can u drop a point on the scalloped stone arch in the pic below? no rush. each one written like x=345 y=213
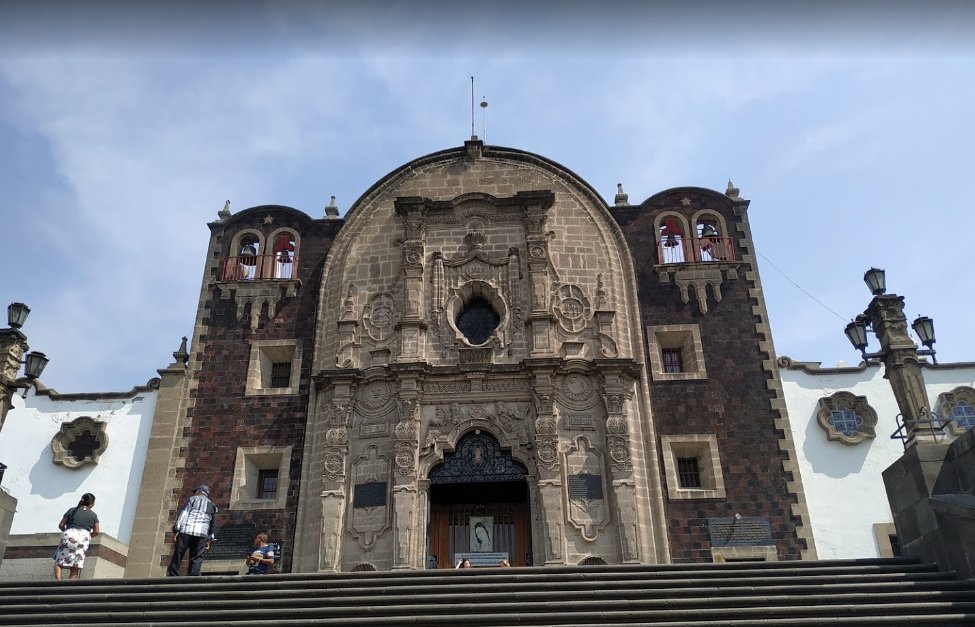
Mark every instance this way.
x=466 y=294
x=847 y=402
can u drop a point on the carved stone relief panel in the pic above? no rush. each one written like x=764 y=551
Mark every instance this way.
x=370 y=497
x=380 y=317
x=585 y=488
x=571 y=308
x=577 y=391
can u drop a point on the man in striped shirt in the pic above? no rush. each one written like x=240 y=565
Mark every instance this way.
x=193 y=531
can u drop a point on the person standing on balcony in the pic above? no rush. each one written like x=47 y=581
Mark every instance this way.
x=193 y=531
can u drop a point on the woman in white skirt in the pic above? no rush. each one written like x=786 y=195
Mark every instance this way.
x=78 y=526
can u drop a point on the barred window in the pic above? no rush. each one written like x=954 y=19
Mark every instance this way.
x=673 y=360
x=267 y=483
x=688 y=472
x=281 y=374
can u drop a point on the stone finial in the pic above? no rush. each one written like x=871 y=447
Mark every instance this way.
x=331 y=210
x=182 y=355
x=732 y=191
x=224 y=213
x=622 y=199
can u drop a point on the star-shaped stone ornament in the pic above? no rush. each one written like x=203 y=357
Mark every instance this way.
x=268 y=219
x=685 y=202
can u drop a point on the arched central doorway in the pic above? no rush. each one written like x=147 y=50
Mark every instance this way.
x=479 y=506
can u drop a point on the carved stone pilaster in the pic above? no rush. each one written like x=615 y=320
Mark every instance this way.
x=338 y=418
x=404 y=505
x=407 y=433
x=550 y=494
x=348 y=326
x=625 y=493
x=333 y=519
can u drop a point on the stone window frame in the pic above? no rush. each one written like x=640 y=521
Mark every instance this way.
x=264 y=353
x=705 y=448
x=948 y=400
x=68 y=431
x=686 y=337
x=858 y=405
x=882 y=533
x=251 y=459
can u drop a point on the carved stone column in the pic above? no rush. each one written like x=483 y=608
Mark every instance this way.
x=406 y=551
x=540 y=320
x=549 y=471
x=902 y=364
x=13 y=345
x=412 y=325
x=617 y=390
x=348 y=327
x=337 y=412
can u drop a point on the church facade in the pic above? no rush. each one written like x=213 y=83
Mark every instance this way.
x=483 y=359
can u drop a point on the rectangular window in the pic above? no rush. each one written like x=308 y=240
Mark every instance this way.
x=688 y=472
x=267 y=483
x=281 y=375
x=673 y=361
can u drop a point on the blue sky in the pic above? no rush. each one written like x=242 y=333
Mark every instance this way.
x=848 y=125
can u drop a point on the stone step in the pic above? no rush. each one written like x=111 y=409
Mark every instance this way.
x=474 y=614
x=849 y=592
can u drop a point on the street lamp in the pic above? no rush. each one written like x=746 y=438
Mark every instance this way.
x=898 y=352
x=13 y=345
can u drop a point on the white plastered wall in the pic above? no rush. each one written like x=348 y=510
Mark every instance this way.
x=844 y=484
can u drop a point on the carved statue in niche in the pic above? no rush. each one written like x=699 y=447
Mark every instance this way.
x=511 y=420
x=435 y=428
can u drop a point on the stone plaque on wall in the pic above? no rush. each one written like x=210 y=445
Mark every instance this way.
x=233 y=542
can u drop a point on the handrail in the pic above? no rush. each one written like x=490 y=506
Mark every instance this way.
x=935 y=426
x=278 y=267
x=679 y=249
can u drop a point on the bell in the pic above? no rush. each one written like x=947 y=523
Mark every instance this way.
x=284 y=258
x=248 y=251
x=671 y=241
x=709 y=231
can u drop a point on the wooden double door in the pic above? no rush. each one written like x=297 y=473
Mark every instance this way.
x=483 y=522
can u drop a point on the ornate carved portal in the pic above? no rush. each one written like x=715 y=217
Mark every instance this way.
x=478 y=458
x=479 y=506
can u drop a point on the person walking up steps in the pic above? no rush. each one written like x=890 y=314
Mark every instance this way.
x=193 y=531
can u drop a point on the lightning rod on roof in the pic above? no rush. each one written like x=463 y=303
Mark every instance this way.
x=484 y=105
x=473 y=135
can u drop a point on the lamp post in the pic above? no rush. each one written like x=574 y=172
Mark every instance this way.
x=13 y=346
x=899 y=354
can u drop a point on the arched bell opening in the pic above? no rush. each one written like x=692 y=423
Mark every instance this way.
x=479 y=506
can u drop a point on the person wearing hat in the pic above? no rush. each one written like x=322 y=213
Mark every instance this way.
x=193 y=531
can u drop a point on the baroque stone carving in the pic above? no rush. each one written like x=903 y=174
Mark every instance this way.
x=571 y=308
x=380 y=316
x=79 y=442
x=587 y=513
x=370 y=518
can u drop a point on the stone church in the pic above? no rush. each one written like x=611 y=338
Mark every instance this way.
x=483 y=359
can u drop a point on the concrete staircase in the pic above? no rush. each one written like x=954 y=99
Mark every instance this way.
x=854 y=592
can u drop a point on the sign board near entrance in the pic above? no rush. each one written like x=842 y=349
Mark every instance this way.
x=481 y=559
